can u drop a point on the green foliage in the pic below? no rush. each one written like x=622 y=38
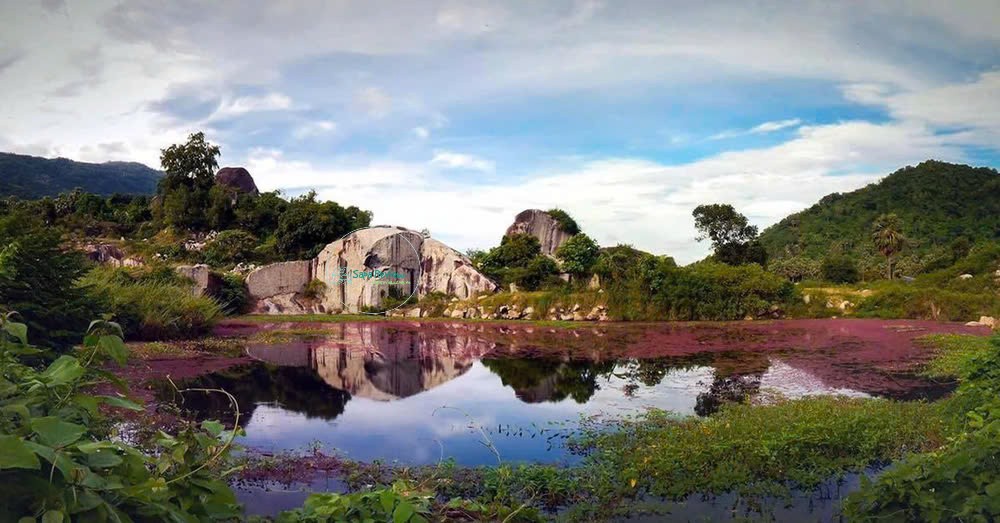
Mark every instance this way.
x=578 y=255
x=733 y=238
x=887 y=235
x=936 y=203
x=32 y=177
x=399 y=504
x=232 y=294
x=956 y=355
x=315 y=289
x=756 y=450
x=307 y=225
x=152 y=304
x=958 y=482
x=566 y=222
x=59 y=463
x=796 y=268
x=38 y=279
x=230 y=247
x=840 y=269
x=184 y=191
x=518 y=259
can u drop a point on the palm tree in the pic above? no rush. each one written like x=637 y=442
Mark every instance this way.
x=888 y=237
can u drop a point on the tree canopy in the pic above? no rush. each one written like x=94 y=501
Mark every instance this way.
x=733 y=238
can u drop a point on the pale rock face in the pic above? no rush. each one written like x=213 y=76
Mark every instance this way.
x=391 y=249
x=279 y=278
x=205 y=282
x=541 y=225
x=446 y=270
x=418 y=266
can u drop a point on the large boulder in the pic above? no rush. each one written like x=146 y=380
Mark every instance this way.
x=541 y=225
x=363 y=270
x=278 y=278
x=204 y=281
x=238 y=179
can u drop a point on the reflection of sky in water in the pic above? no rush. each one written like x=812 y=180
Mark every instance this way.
x=416 y=429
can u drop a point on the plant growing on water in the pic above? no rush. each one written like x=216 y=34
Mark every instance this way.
x=60 y=462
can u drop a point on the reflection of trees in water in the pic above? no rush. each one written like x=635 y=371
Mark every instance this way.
x=297 y=389
x=538 y=380
x=737 y=376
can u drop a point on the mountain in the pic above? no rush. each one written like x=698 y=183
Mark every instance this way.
x=936 y=202
x=33 y=177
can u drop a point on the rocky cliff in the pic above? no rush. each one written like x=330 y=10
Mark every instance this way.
x=541 y=225
x=362 y=271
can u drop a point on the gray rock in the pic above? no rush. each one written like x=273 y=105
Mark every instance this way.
x=204 y=281
x=541 y=225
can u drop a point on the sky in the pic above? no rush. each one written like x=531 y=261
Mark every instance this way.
x=455 y=115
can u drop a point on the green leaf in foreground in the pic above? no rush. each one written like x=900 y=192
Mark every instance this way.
x=54 y=432
x=14 y=454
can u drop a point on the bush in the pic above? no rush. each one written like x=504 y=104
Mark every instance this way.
x=230 y=247
x=840 y=269
x=232 y=294
x=59 y=462
x=38 y=280
x=149 y=305
x=578 y=255
x=566 y=222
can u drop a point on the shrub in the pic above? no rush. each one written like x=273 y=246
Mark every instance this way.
x=840 y=269
x=230 y=247
x=150 y=307
x=38 y=279
x=566 y=222
x=578 y=255
x=232 y=294
x=59 y=462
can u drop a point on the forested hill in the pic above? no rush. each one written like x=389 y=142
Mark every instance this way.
x=937 y=202
x=33 y=177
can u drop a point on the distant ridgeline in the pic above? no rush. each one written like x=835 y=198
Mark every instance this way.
x=937 y=202
x=33 y=177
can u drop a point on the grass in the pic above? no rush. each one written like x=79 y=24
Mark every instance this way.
x=955 y=354
x=151 y=308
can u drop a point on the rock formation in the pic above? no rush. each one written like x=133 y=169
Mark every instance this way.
x=364 y=269
x=108 y=254
x=541 y=225
x=204 y=281
x=238 y=179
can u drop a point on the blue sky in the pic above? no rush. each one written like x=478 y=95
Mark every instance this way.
x=455 y=115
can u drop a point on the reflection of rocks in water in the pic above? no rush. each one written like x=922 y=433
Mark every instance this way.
x=378 y=362
x=293 y=388
x=539 y=380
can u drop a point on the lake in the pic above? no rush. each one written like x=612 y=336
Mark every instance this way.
x=420 y=392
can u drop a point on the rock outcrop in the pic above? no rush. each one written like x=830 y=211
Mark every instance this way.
x=364 y=269
x=204 y=281
x=108 y=254
x=541 y=225
x=238 y=179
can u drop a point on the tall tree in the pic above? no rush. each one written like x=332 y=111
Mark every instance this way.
x=733 y=238
x=185 y=189
x=887 y=235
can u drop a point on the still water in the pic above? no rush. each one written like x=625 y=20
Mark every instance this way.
x=418 y=393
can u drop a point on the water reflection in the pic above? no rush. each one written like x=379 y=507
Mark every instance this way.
x=375 y=391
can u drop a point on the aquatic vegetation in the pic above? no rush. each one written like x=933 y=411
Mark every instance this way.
x=956 y=355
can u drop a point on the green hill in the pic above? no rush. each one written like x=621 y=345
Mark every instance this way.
x=936 y=201
x=34 y=177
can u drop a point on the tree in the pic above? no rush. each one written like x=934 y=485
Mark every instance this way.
x=733 y=238
x=189 y=176
x=230 y=246
x=307 y=225
x=960 y=248
x=840 y=269
x=887 y=235
x=578 y=255
x=38 y=280
x=515 y=250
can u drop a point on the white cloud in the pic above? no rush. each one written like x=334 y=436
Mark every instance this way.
x=421 y=132
x=374 y=101
x=249 y=104
x=619 y=200
x=766 y=127
x=453 y=160
x=311 y=129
